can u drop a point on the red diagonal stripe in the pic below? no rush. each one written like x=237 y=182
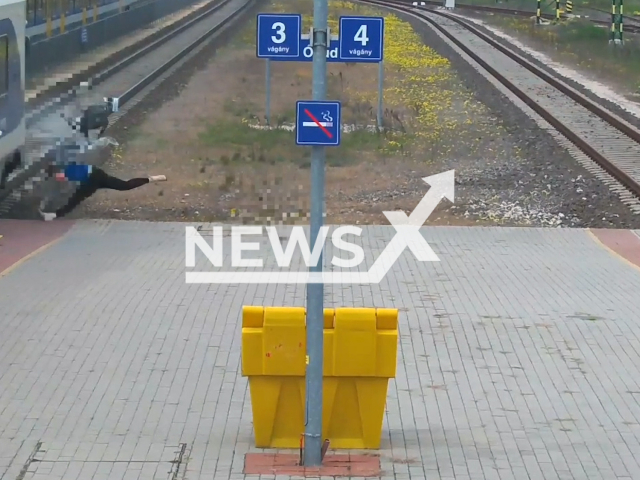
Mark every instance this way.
x=315 y=120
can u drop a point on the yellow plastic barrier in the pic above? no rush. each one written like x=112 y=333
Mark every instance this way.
x=360 y=352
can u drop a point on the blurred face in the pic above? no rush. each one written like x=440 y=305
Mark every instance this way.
x=54 y=171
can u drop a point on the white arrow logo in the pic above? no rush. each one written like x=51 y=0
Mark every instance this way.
x=408 y=228
x=407 y=235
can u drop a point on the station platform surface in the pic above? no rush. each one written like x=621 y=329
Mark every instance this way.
x=75 y=20
x=519 y=356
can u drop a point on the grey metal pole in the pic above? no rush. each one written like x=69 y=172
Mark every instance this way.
x=315 y=291
x=268 y=87
x=380 y=91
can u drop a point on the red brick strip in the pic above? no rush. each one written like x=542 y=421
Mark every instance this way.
x=21 y=238
x=623 y=242
x=332 y=466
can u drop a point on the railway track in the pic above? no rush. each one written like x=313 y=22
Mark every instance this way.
x=631 y=25
x=601 y=141
x=40 y=100
x=131 y=79
x=628 y=19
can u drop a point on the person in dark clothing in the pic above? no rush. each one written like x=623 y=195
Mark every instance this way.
x=91 y=180
x=63 y=166
x=9 y=167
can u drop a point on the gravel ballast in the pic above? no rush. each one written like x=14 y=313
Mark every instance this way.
x=609 y=105
x=549 y=188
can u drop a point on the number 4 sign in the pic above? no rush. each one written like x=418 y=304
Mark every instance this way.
x=361 y=39
x=361 y=35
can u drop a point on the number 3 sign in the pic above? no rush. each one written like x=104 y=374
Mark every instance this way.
x=278 y=36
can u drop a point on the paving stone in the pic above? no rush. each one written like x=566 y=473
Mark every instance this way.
x=518 y=357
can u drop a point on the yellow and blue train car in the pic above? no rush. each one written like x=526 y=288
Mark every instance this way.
x=12 y=74
x=39 y=10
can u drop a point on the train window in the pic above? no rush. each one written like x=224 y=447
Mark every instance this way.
x=4 y=64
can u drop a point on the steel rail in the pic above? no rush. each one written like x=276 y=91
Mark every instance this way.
x=627 y=17
x=632 y=185
x=165 y=33
x=631 y=28
x=111 y=65
x=138 y=87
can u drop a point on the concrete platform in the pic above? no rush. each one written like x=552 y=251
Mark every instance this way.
x=21 y=239
x=519 y=358
x=73 y=21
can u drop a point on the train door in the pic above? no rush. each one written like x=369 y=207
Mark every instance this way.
x=11 y=94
